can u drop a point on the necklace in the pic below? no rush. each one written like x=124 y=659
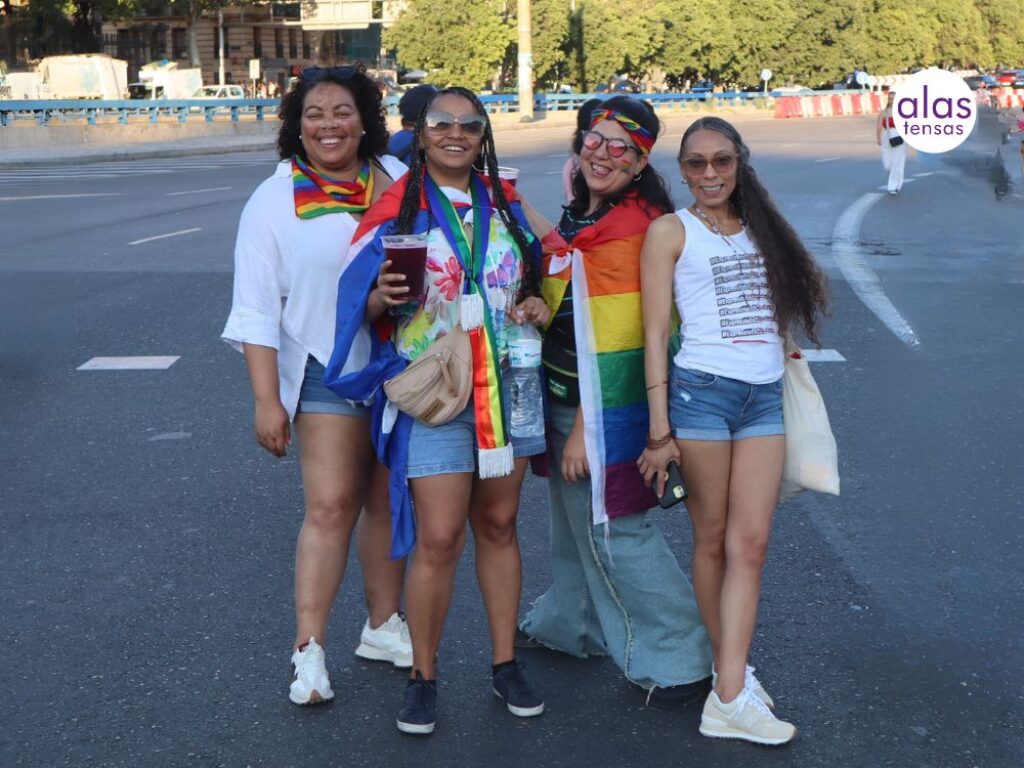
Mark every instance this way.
x=713 y=226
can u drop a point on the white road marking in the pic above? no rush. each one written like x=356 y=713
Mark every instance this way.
x=169 y=436
x=138 y=363
x=827 y=159
x=198 y=191
x=552 y=173
x=865 y=283
x=823 y=356
x=60 y=197
x=922 y=175
x=161 y=237
x=884 y=188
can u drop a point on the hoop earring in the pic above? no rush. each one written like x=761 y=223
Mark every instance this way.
x=637 y=177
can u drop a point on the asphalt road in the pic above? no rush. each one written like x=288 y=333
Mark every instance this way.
x=146 y=543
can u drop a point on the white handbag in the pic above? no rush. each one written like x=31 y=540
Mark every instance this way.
x=812 y=459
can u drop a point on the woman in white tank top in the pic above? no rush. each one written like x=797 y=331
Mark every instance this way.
x=740 y=279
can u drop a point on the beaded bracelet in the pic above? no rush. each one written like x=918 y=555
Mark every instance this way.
x=659 y=442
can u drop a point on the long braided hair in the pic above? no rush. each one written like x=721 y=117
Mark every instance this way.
x=410 y=204
x=798 y=286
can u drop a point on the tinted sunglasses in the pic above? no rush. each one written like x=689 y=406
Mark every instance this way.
x=697 y=165
x=592 y=140
x=443 y=122
x=319 y=73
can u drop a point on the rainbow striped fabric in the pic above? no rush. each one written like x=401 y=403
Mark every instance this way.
x=316 y=195
x=603 y=267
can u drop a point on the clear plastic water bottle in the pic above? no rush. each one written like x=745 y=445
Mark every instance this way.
x=524 y=348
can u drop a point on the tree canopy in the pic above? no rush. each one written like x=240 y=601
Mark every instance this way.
x=587 y=42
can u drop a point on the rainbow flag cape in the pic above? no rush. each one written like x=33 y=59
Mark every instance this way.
x=604 y=264
x=389 y=428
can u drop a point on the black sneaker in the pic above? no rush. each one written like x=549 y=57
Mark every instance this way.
x=418 y=716
x=511 y=686
x=679 y=695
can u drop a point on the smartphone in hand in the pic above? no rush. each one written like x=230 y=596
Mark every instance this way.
x=675 y=491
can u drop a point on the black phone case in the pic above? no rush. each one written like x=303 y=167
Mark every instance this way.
x=675 y=491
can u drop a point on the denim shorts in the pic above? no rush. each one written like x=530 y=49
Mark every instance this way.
x=451 y=447
x=703 y=406
x=314 y=397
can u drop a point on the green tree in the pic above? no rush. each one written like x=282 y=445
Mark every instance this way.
x=761 y=34
x=902 y=38
x=616 y=37
x=828 y=40
x=1004 y=29
x=962 y=39
x=458 y=43
x=697 y=39
x=550 y=22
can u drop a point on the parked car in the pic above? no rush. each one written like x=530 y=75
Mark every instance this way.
x=703 y=86
x=619 y=86
x=1008 y=77
x=974 y=82
x=220 y=92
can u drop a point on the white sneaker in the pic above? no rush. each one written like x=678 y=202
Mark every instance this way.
x=388 y=642
x=751 y=683
x=311 y=684
x=746 y=717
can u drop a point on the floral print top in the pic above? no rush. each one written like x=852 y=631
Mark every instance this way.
x=420 y=325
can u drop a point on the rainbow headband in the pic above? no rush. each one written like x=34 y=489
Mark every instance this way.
x=640 y=135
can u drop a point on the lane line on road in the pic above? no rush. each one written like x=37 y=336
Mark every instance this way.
x=823 y=355
x=827 y=159
x=552 y=173
x=198 y=191
x=862 y=279
x=161 y=237
x=922 y=175
x=60 y=197
x=132 y=363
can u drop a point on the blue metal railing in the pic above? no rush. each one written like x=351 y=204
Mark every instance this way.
x=138 y=110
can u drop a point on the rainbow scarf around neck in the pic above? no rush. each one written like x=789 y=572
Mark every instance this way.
x=494 y=456
x=603 y=267
x=640 y=135
x=316 y=195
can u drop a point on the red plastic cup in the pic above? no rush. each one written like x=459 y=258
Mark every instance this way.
x=511 y=175
x=408 y=256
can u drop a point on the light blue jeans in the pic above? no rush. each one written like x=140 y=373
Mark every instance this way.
x=623 y=595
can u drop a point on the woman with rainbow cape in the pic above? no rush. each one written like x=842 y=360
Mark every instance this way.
x=482 y=272
x=617 y=591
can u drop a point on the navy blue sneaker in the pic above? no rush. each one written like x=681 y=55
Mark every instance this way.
x=511 y=686
x=418 y=716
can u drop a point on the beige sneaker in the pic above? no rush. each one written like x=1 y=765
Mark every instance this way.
x=750 y=682
x=746 y=717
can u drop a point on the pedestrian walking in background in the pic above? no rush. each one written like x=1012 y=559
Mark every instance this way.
x=894 y=149
x=572 y=165
x=740 y=279
x=617 y=588
x=292 y=239
x=409 y=107
x=482 y=272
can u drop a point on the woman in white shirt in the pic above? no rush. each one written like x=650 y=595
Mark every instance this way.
x=740 y=279
x=292 y=239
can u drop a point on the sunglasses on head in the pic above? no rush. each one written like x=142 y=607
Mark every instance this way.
x=697 y=165
x=443 y=122
x=319 y=73
x=592 y=140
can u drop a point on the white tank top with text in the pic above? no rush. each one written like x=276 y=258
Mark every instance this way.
x=728 y=322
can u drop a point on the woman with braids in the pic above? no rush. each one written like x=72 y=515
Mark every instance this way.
x=617 y=588
x=292 y=240
x=483 y=274
x=741 y=280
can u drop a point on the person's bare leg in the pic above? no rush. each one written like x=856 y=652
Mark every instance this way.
x=705 y=465
x=382 y=576
x=442 y=506
x=499 y=569
x=753 y=495
x=334 y=454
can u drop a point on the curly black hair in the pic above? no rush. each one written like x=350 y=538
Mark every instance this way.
x=650 y=187
x=410 y=205
x=798 y=286
x=368 y=101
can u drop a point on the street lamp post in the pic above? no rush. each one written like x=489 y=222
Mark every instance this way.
x=220 y=46
x=525 y=70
